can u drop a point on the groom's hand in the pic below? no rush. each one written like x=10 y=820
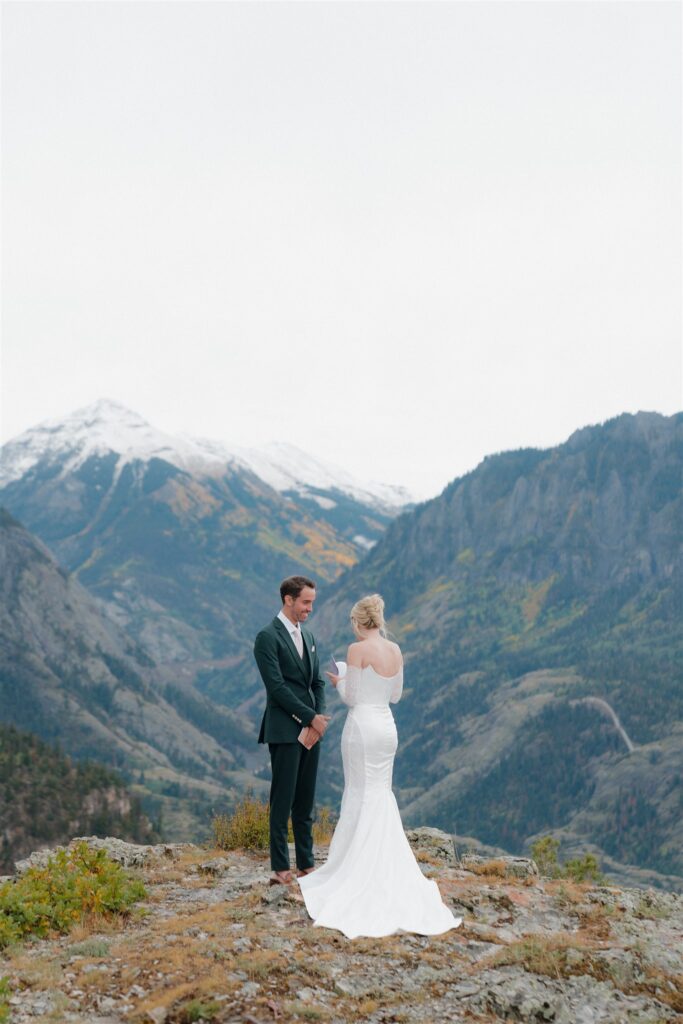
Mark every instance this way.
x=319 y=723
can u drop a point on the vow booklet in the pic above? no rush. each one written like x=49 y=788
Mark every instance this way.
x=337 y=668
x=308 y=737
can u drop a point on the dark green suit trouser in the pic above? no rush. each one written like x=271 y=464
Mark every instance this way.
x=292 y=791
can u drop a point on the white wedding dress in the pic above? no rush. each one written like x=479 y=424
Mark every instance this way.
x=371 y=883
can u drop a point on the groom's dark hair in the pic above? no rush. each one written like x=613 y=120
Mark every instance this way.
x=293 y=586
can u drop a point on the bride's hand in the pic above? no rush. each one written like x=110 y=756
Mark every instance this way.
x=333 y=679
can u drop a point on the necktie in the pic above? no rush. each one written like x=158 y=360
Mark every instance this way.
x=298 y=641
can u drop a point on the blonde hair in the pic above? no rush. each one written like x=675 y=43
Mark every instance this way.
x=368 y=613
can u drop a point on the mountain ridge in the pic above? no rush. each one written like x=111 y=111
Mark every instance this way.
x=107 y=425
x=535 y=584
x=538 y=579
x=182 y=552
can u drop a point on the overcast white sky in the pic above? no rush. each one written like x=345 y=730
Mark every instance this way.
x=400 y=236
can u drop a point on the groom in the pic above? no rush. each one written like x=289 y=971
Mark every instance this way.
x=287 y=659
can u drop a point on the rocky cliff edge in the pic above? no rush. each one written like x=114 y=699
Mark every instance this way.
x=212 y=941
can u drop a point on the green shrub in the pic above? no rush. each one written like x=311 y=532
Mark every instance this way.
x=90 y=947
x=74 y=883
x=197 y=1010
x=248 y=826
x=4 y=1000
x=544 y=852
x=580 y=869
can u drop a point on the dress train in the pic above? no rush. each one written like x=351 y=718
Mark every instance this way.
x=371 y=883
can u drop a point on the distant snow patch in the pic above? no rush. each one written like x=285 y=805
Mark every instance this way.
x=325 y=503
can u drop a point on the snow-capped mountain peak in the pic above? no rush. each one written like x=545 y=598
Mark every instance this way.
x=103 y=427
x=287 y=468
x=108 y=426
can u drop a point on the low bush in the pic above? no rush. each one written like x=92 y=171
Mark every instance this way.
x=196 y=1010
x=74 y=883
x=579 y=869
x=90 y=947
x=4 y=1000
x=248 y=826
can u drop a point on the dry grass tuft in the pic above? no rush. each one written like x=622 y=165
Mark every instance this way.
x=323 y=826
x=248 y=828
x=208 y=919
x=561 y=956
x=306 y=1011
x=668 y=988
x=567 y=892
x=199 y=991
x=258 y=964
x=595 y=922
x=34 y=972
x=94 y=924
x=481 y=933
x=492 y=869
x=648 y=907
x=548 y=955
x=426 y=858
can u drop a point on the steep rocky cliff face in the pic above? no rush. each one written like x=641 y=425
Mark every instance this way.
x=600 y=509
x=535 y=582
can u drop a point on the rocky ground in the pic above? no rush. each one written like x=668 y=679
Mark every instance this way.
x=214 y=942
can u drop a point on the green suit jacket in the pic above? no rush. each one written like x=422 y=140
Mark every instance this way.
x=294 y=686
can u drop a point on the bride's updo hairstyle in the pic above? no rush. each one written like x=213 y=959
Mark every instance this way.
x=368 y=613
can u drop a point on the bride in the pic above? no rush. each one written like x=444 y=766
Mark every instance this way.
x=371 y=883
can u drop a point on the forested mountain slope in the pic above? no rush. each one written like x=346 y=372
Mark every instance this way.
x=46 y=799
x=70 y=675
x=541 y=578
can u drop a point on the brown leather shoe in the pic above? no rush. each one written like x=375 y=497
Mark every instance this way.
x=281 y=878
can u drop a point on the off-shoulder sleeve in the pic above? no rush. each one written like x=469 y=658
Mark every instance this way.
x=348 y=686
x=397 y=687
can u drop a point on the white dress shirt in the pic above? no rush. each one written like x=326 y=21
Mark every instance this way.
x=294 y=632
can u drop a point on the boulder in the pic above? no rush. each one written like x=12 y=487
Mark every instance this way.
x=433 y=842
